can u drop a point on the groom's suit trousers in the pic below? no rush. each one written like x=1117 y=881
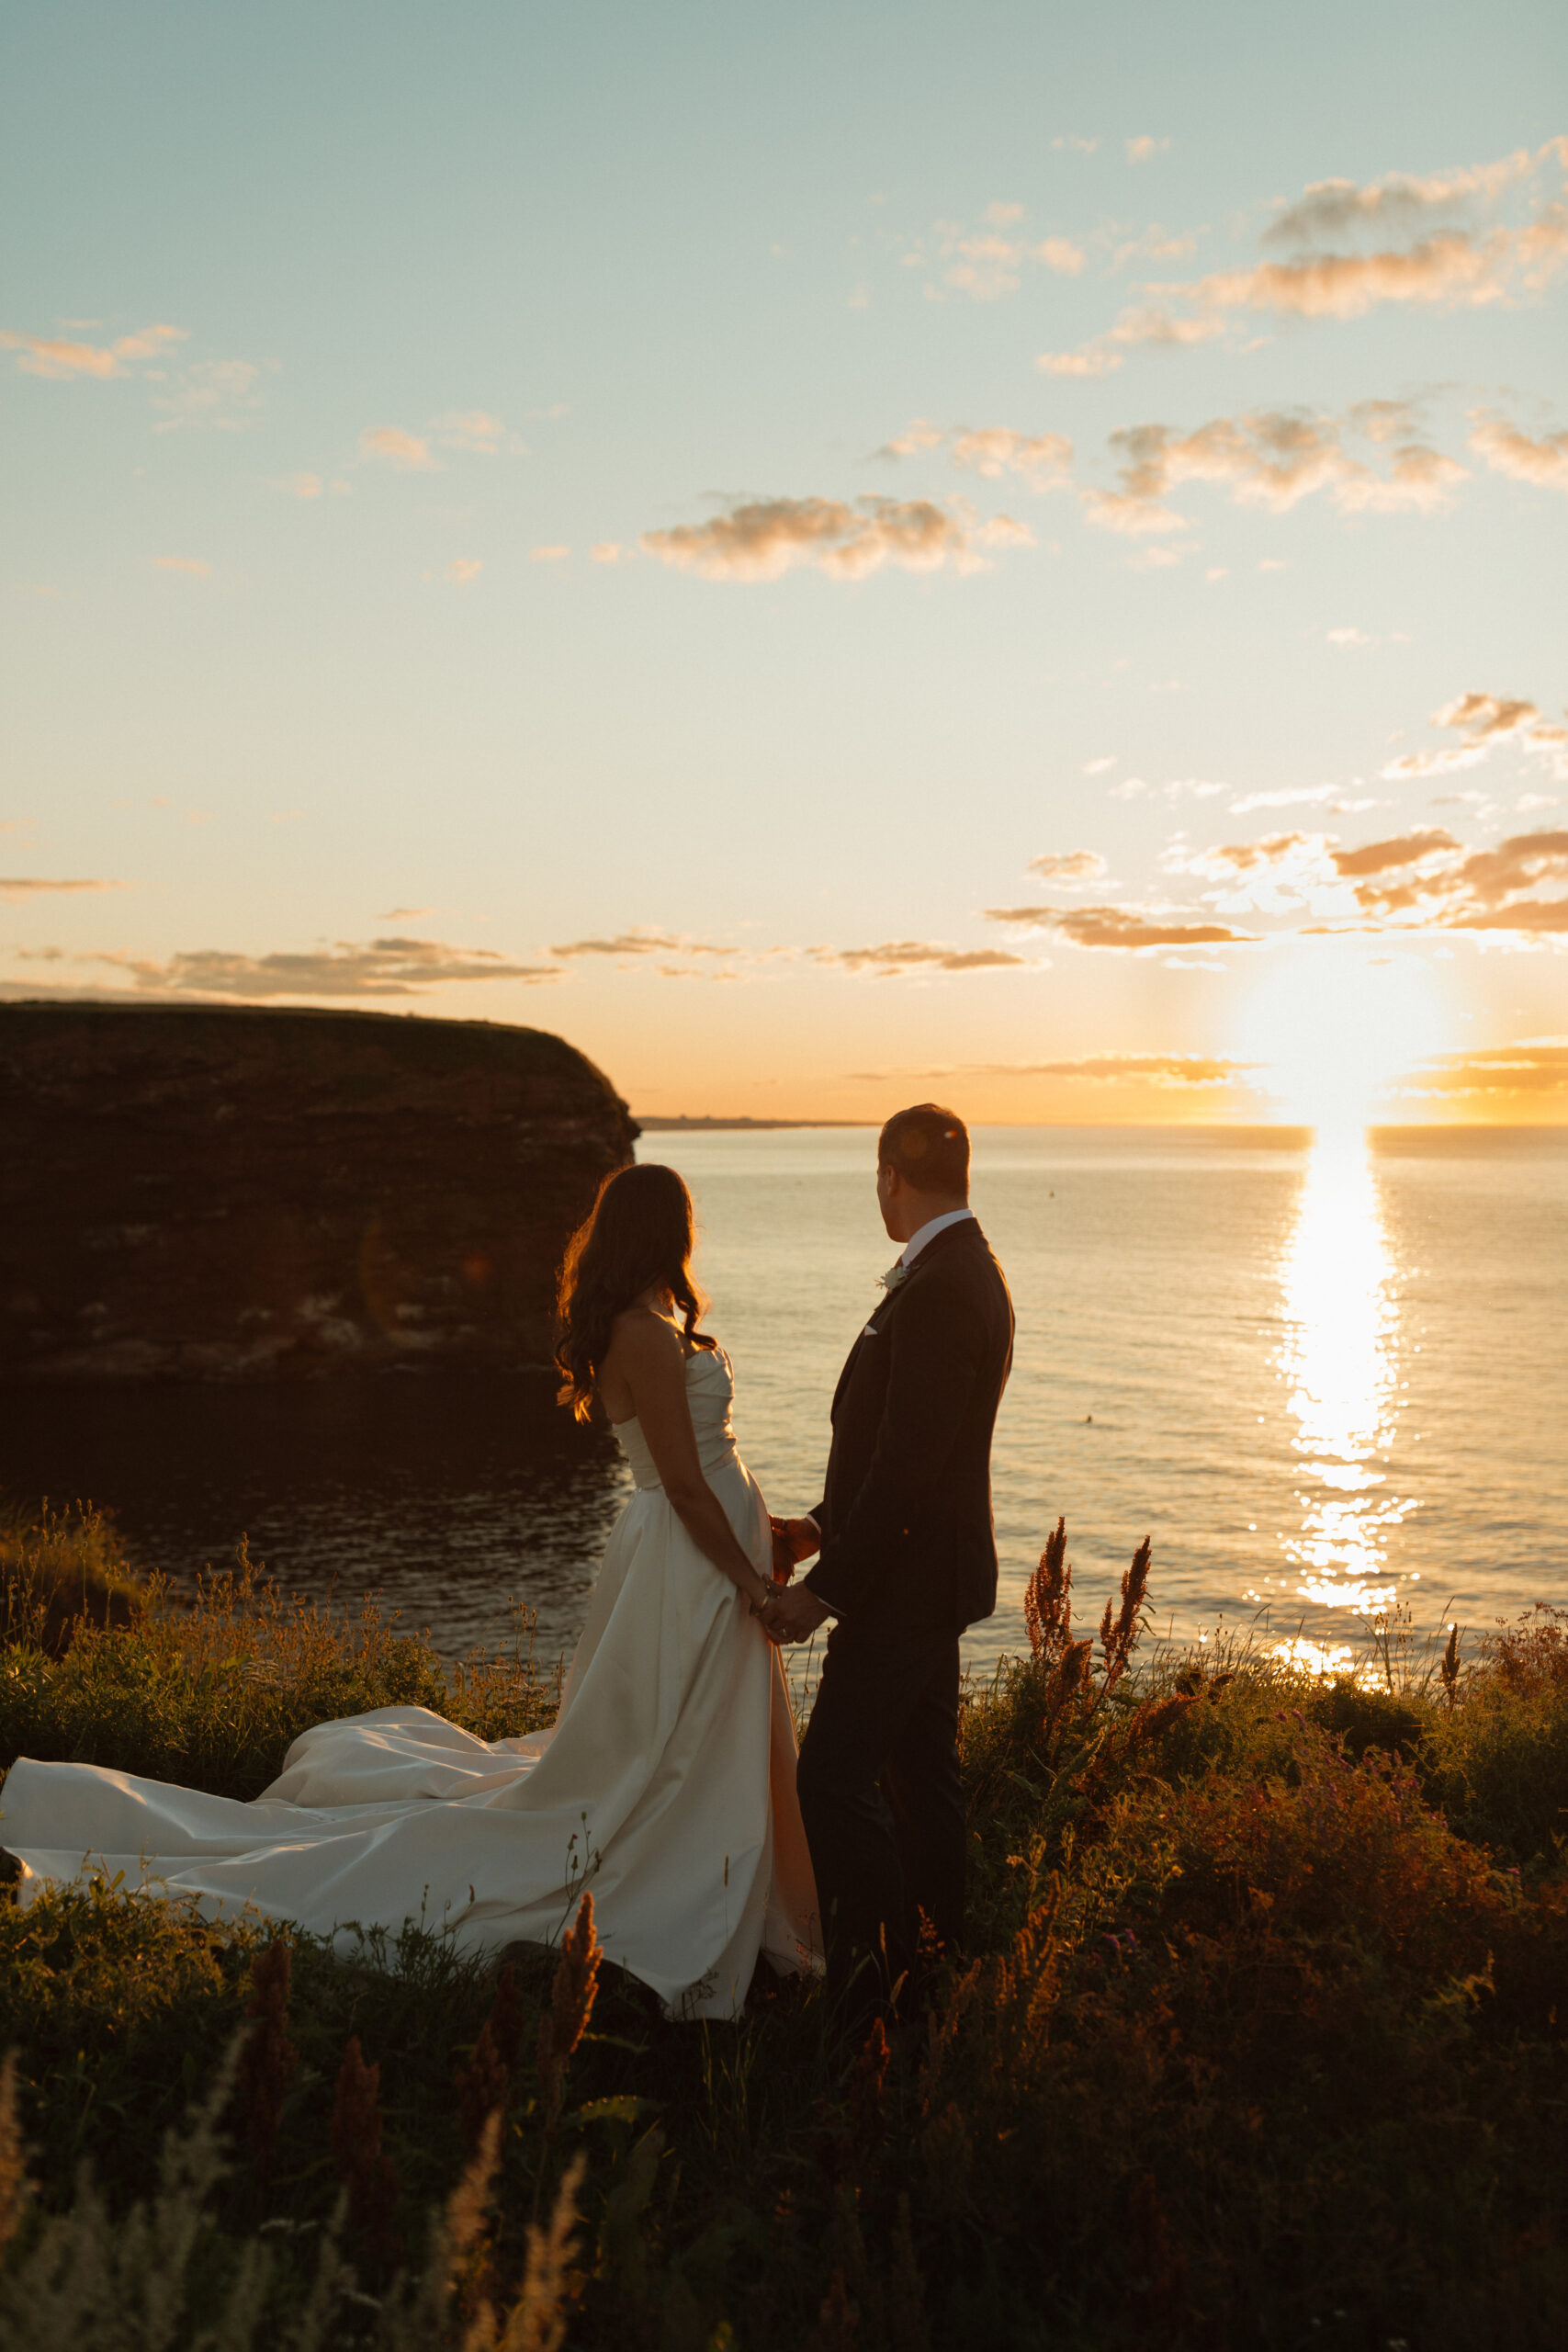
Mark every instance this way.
x=882 y=1806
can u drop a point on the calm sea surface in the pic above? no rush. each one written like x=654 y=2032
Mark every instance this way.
x=1326 y=1382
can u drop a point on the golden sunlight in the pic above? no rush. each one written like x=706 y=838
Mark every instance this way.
x=1337 y=1358
x=1333 y=1028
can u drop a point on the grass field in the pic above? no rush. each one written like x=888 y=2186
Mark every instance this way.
x=1260 y=2041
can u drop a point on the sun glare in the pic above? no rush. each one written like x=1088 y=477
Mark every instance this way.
x=1330 y=1032
x=1339 y=1362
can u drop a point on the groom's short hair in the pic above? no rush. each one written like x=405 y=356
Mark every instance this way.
x=928 y=1145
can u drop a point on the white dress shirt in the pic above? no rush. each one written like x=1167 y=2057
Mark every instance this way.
x=927 y=1232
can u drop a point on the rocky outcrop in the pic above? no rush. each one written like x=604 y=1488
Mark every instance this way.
x=222 y=1193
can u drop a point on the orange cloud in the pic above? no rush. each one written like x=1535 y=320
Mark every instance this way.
x=1070 y=869
x=1269 y=457
x=1042 y=459
x=1379 y=857
x=989 y=261
x=1125 y=927
x=764 y=538
x=197 y=566
x=476 y=431
x=1484 y=722
x=1428 y=877
x=384 y=968
x=1508 y=451
x=390 y=445
x=1332 y=208
x=1456 y=263
x=643 y=941
x=16 y=888
x=46 y=355
x=895 y=955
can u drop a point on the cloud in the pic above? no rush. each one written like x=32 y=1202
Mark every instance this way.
x=1533 y=1068
x=643 y=941
x=1453 y=268
x=1243 y=858
x=1164 y=1069
x=220 y=394
x=1292 y=797
x=549 y=554
x=987 y=263
x=197 y=566
x=1380 y=857
x=1078 y=363
x=896 y=955
x=1446 y=259
x=462 y=569
x=1333 y=208
x=1267 y=458
x=1483 y=722
x=763 y=538
x=1428 y=878
x=1125 y=927
x=476 y=431
x=605 y=551
x=1070 y=869
x=1042 y=459
x=1077 y=145
x=1508 y=451
x=1140 y=151
x=46 y=355
x=17 y=887
x=382 y=968
x=390 y=445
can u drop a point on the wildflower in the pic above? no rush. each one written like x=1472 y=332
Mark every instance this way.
x=1449 y=1667
x=369 y=2177
x=1047 y=1600
x=485 y=2083
x=1118 y=1636
x=269 y=2058
x=13 y=2166
x=572 y=2005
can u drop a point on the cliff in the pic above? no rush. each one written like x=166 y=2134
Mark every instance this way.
x=220 y=1193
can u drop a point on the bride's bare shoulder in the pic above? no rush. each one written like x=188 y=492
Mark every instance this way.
x=641 y=1335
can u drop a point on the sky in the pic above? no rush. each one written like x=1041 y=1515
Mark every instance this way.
x=829 y=556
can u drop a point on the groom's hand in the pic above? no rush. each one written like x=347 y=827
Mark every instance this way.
x=783 y=1550
x=794 y=1540
x=793 y=1616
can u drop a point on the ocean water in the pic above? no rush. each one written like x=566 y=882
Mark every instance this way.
x=1329 y=1383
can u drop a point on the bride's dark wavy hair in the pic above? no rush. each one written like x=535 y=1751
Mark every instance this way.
x=637 y=1235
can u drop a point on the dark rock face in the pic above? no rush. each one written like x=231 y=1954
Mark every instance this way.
x=221 y=1193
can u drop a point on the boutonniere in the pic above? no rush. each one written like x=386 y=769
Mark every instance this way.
x=898 y=1272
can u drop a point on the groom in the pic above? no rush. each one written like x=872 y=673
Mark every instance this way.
x=908 y=1560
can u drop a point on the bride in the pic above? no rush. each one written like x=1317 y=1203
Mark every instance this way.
x=667 y=1781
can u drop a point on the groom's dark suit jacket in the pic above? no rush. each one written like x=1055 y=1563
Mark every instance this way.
x=906 y=1520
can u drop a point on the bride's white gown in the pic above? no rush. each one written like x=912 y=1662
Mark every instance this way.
x=666 y=1784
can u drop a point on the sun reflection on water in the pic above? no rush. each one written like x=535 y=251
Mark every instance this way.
x=1339 y=1362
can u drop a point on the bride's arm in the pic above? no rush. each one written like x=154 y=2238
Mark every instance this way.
x=647 y=1355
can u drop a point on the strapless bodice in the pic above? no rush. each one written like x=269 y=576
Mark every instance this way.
x=710 y=1392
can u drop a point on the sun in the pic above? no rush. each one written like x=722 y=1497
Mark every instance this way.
x=1334 y=1022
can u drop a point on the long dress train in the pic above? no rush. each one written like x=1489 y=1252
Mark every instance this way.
x=666 y=1784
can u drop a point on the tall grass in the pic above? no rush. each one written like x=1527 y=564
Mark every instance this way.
x=1260 y=2040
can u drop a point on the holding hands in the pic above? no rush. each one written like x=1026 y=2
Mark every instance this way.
x=790 y=1616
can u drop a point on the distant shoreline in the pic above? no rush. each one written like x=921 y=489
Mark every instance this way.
x=651 y=1125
